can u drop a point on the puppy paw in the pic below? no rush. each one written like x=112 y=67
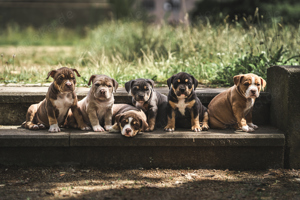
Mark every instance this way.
x=112 y=130
x=149 y=129
x=247 y=128
x=169 y=129
x=196 y=128
x=54 y=128
x=34 y=127
x=107 y=127
x=253 y=126
x=98 y=128
x=85 y=128
x=42 y=126
x=205 y=127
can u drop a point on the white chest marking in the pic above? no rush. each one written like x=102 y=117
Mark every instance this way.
x=181 y=105
x=63 y=103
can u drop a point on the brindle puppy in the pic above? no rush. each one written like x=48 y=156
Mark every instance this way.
x=183 y=103
x=53 y=110
x=129 y=120
x=96 y=107
x=152 y=102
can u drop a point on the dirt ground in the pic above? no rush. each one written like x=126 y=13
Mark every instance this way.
x=92 y=183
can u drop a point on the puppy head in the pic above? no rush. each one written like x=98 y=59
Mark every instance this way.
x=140 y=89
x=64 y=79
x=103 y=86
x=249 y=84
x=130 y=123
x=183 y=84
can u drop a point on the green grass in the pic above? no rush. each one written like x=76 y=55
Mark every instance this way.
x=126 y=50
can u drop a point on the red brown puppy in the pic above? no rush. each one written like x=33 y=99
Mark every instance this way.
x=234 y=106
x=53 y=110
x=129 y=120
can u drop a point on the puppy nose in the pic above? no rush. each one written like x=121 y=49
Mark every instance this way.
x=253 y=91
x=68 y=83
x=128 y=130
x=102 y=91
x=141 y=96
x=182 y=89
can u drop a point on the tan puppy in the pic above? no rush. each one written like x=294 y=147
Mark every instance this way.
x=129 y=120
x=53 y=110
x=233 y=107
x=96 y=107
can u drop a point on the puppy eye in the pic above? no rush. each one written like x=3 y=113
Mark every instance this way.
x=258 y=84
x=146 y=88
x=109 y=86
x=246 y=84
x=61 y=78
x=97 y=84
x=126 y=120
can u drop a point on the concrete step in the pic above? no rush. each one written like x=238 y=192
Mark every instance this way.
x=181 y=149
x=14 y=101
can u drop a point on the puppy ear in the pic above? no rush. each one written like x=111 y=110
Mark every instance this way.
x=128 y=85
x=263 y=84
x=91 y=79
x=195 y=81
x=75 y=70
x=151 y=82
x=118 y=118
x=237 y=79
x=170 y=80
x=51 y=73
x=144 y=125
x=115 y=84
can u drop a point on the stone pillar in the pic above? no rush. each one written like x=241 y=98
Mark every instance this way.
x=283 y=83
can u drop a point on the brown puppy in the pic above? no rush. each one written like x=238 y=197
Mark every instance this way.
x=233 y=107
x=129 y=120
x=53 y=110
x=96 y=107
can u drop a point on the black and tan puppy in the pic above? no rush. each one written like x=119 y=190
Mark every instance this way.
x=96 y=107
x=152 y=102
x=128 y=120
x=183 y=103
x=53 y=110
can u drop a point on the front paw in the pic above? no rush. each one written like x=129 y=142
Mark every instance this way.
x=54 y=128
x=196 y=128
x=247 y=128
x=253 y=126
x=107 y=127
x=149 y=129
x=98 y=128
x=169 y=128
x=112 y=130
x=205 y=127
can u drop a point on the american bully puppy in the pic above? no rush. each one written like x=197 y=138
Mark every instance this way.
x=128 y=120
x=53 y=110
x=233 y=107
x=153 y=103
x=96 y=107
x=184 y=105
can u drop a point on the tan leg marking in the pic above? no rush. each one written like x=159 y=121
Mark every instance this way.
x=205 y=126
x=171 y=123
x=151 y=123
x=195 y=122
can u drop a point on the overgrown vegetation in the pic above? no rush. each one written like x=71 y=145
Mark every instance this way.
x=128 y=49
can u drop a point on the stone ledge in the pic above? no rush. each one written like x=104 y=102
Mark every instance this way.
x=14 y=136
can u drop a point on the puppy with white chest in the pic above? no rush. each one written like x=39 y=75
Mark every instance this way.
x=184 y=107
x=96 y=107
x=150 y=101
x=53 y=110
x=128 y=120
x=233 y=107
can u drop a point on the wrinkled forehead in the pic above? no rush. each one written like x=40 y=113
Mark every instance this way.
x=103 y=80
x=132 y=115
x=141 y=82
x=251 y=78
x=65 y=73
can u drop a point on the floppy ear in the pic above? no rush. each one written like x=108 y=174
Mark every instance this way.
x=170 y=80
x=195 y=82
x=115 y=84
x=144 y=125
x=75 y=70
x=91 y=79
x=51 y=73
x=151 y=82
x=237 y=79
x=118 y=118
x=128 y=85
x=263 y=84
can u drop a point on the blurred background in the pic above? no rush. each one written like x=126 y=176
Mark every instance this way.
x=126 y=39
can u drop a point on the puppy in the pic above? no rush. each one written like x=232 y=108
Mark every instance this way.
x=183 y=103
x=96 y=107
x=153 y=103
x=233 y=107
x=129 y=120
x=53 y=110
